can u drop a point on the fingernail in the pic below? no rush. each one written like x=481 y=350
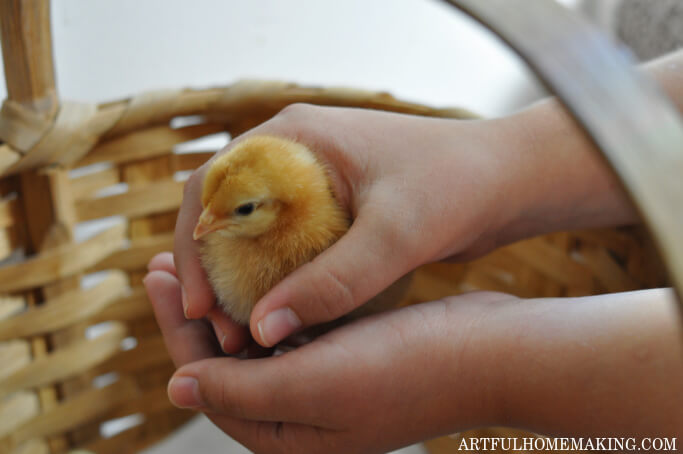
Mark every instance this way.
x=220 y=335
x=277 y=325
x=184 y=300
x=183 y=392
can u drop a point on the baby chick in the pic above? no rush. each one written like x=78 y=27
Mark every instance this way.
x=268 y=208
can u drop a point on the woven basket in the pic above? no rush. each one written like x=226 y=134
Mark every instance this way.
x=79 y=345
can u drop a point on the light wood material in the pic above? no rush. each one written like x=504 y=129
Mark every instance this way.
x=68 y=361
x=61 y=262
x=71 y=413
x=47 y=316
x=65 y=310
x=27 y=54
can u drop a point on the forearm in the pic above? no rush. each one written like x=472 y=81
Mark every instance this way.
x=607 y=365
x=562 y=182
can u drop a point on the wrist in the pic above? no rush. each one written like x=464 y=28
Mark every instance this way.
x=478 y=346
x=557 y=179
x=592 y=366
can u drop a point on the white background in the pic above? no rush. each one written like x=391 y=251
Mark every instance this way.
x=421 y=50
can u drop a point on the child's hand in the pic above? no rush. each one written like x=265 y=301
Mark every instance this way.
x=353 y=390
x=419 y=190
x=609 y=365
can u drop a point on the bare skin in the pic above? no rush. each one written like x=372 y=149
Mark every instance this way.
x=422 y=190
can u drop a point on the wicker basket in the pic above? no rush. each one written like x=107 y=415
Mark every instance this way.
x=75 y=356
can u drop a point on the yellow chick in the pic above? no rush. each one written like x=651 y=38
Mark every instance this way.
x=268 y=208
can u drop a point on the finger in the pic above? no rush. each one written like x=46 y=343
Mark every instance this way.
x=267 y=389
x=232 y=337
x=198 y=297
x=162 y=262
x=366 y=260
x=186 y=340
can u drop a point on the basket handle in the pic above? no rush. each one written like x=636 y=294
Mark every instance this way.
x=27 y=54
x=633 y=123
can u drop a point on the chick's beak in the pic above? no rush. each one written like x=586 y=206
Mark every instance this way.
x=207 y=223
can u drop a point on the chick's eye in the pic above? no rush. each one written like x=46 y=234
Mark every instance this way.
x=245 y=210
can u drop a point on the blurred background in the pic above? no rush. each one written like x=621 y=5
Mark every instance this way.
x=418 y=50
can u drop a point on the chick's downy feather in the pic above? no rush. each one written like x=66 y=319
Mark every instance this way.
x=268 y=209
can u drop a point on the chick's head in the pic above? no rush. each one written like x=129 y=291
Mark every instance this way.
x=256 y=186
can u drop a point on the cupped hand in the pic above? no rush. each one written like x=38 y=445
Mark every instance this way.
x=418 y=190
x=354 y=389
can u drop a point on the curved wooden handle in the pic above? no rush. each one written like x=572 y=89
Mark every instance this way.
x=27 y=54
x=632 y=122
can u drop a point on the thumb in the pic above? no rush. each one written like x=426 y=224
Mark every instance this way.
x=367 y=259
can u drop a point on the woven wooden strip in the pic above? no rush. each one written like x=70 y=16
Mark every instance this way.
x=67 y=309
x=61 y=262
x=191 y=161
x=153 y=198
x=150 y=351
x=489 y=281
x=17 y=409
x=161 y=424
x=428 y=286
x=14 y=356
x=33 y=446
x=151 y=401
x=5 y=243
x=71 y=413
x=551 y=263
x=47 y=203
x=138 y=253
x=621 y=243
x=119 y=443
x=65 y=136
x=132 y=307
x=8 y=212
x=11 y=305
x=141 y=110
x=158 y=108
x=608 y=273
x=76 y=129
x=86 y=186
x=139 y=437
x=146 y=143
x=144 y=327
x=65 y=362
x=8 y=157
x=22 y=127
x=270 y=97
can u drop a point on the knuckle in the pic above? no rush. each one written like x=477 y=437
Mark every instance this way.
x=224 y=399
x=399 y=238
x=338 y=298
x=296 y=111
